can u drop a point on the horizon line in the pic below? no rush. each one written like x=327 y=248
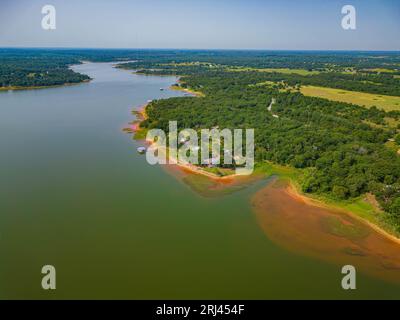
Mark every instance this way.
x=198 y=49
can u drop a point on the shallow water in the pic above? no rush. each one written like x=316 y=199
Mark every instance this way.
x=323 y=233
x=74 y=193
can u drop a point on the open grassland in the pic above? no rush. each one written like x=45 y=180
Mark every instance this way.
x=190 y=64
x=387 y=103
x=301 y=72
x=380 y=70
x=392 y=146
x=393 y=123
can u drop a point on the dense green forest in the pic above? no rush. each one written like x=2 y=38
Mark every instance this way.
x=340 y=148
x=36 y=69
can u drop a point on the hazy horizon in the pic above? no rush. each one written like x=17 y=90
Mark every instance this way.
x=197 y=49
x=208 y=25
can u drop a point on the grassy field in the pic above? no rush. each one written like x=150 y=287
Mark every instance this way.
x=265 y=83
x=387 y=103
x=392 y=145
x=381 y=70
x=302 y=72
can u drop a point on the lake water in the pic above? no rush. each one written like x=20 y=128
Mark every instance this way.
x=74 y=193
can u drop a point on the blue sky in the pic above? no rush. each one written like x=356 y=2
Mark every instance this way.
x=219 y=24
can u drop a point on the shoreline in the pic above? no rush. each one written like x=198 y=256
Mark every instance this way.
x=293 y=192
x=19 y=88
x=309 y=228
x=141 y=111
x=292 y=188
x=197 y=94
x=352 y=209
x=186 y=90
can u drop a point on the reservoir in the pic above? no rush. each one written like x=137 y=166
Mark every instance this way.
x=76 y=194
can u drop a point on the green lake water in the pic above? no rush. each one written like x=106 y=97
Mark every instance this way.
x=74 y=193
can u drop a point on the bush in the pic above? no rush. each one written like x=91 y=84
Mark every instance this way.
x=397 y=139
x=340 y=192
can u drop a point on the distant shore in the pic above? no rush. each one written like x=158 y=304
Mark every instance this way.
x=19 y=88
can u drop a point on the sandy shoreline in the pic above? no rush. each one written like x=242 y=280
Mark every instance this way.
x=194 y=93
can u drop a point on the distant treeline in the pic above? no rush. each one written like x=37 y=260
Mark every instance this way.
x=42 y=67
x=370 y=82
